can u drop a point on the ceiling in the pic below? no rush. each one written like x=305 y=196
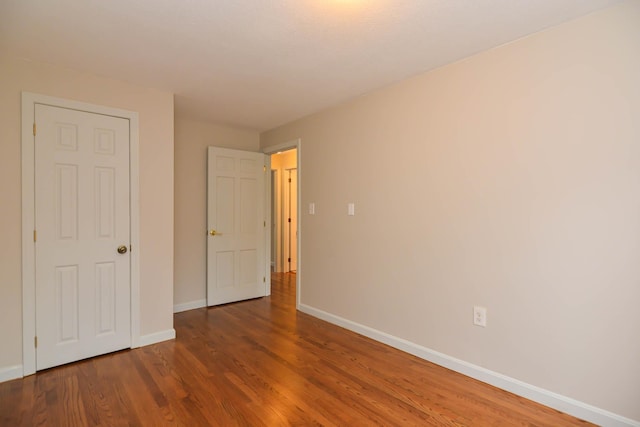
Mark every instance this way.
x=258 y=64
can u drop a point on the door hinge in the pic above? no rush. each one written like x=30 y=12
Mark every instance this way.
x=264 y=223
x=35 y=342
x=34 y=129
x=264 y=168
x=289 y=179
x=289 y=219
x=35 y=235
x=264 y=279
x=289 y=260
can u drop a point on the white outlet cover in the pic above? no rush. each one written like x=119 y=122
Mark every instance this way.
x=480 y=316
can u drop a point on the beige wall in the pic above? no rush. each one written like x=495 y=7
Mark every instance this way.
x=509 y=180
x=155 y=110
x=192 y=139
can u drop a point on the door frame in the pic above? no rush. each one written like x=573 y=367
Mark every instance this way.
x=273 y=149
x=28 y=216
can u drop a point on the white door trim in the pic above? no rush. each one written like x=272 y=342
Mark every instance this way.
x=297 y=144
x=28 y=221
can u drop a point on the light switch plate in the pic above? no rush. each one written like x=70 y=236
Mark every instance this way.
x=351 y=209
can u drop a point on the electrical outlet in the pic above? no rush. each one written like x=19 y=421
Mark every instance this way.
x=351 y=209
x=479 y=316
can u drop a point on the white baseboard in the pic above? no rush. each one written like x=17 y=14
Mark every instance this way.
x=14 y=372
x=157 y=337
x=9 y=373
x=178 y=308
x=553 y=400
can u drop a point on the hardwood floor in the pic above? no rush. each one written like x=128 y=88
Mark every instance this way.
x=261 y=363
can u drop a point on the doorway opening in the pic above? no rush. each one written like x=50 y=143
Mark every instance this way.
x=284 y=218
x=282 y=159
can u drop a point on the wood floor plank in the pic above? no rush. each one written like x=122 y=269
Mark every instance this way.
x=262 y=363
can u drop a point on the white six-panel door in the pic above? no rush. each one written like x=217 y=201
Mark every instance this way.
x=236 y=225
x=82 y=217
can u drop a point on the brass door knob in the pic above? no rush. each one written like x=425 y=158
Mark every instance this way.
x=212 y=232
x=122 y=249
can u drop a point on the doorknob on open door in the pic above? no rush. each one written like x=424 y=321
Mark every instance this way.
x=122 y=249
x=213 y=232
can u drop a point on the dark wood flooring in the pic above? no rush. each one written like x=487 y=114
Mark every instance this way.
x=261 y=363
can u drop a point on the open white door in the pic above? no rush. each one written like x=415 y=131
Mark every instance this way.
x=236 y=225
